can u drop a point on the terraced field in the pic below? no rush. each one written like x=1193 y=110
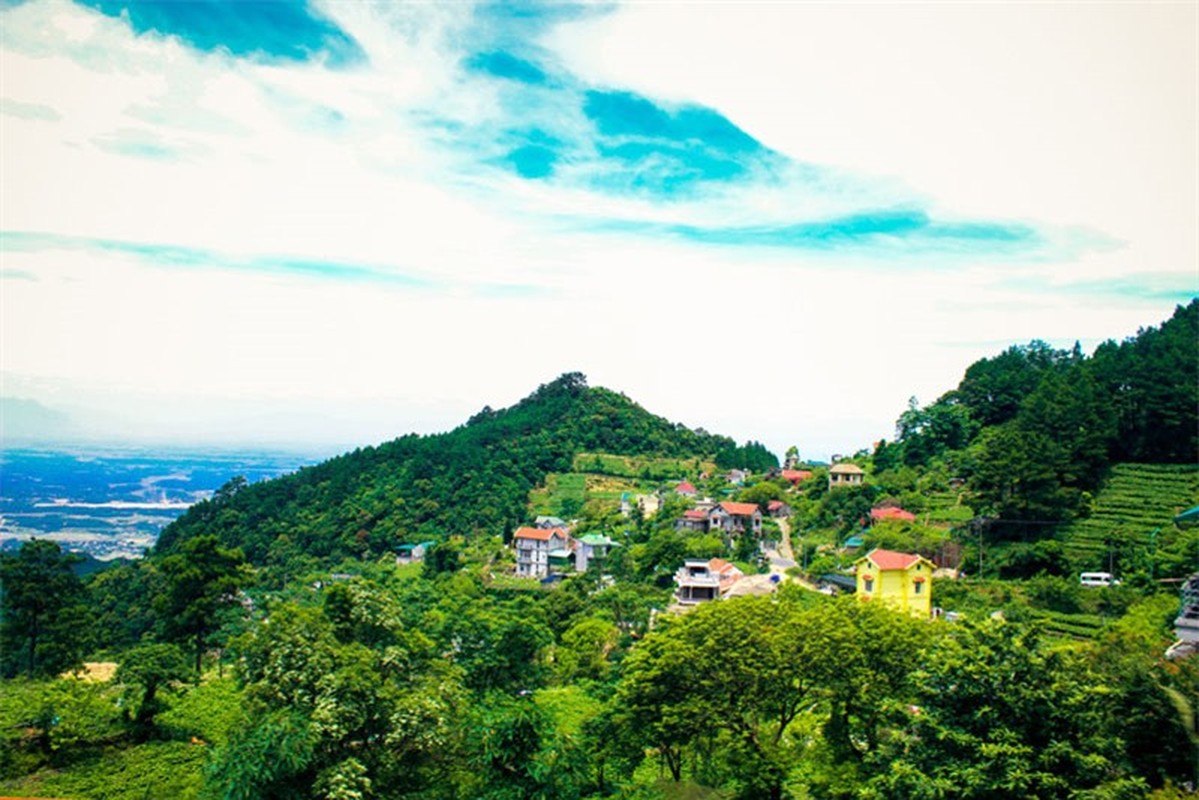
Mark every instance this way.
x=641 y=466
x=1136 y=500
x=1058 y=625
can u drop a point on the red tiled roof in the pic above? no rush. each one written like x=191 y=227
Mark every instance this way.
x=728 y=572
x=796 y=475
x=891 y=512
x=685 y=486
x=889 y=559
x=739 y=509
x=695 y=513
x=722 y=567
x=540 y=534
x=774 y=505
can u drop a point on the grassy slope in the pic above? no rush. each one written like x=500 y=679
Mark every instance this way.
x=605 y=477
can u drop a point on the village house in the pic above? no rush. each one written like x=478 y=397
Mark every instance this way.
x=895 y=513
x=901 y=580
x=592 y=547
x=686 y=489
x=649 y=504
x=412 y=553
x=840 y=475
x=545 y=522
x=536 y=548
x=699 y=581
x=1186 y=625
x=737 y=476
x=695 y=519
x=733 y=518
x=777 y=508
x=795 y=476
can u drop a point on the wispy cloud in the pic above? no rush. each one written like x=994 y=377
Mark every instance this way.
x=895 y=230
x=140 y=143
x=174 y=256
x=31 y=111
x=1146 y=287
x=17 y=275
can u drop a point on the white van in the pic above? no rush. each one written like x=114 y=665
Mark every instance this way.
x=1097 y=579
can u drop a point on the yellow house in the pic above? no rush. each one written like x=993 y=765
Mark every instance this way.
x=901 y=580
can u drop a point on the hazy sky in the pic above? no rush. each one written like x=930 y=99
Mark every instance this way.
x=340 y=222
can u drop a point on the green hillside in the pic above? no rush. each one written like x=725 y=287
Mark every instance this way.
x=354 y=676
x=473 y=481
x=1135 y=500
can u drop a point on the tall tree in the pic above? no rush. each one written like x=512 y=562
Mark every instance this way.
x=995 y=716
x=722 y=687
x=149 y=668
x=201 y=579
x=44 y=613
x=993 y=388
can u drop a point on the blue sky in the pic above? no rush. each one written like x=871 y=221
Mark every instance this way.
x=336 y=222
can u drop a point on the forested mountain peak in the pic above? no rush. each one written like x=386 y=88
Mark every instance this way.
x=473 y=480
x=1036 y=430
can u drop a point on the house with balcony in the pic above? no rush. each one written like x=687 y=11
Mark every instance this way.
x=540 y=549
x=1186 y=625
x=695 y=519
x=700 y=581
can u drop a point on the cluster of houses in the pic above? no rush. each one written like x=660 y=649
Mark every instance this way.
x=900 y=580
x=547 y=548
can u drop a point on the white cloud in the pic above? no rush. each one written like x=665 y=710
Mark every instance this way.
x=1073 y=114
x=1060 y=115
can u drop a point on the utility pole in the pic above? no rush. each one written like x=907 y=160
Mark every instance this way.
x=978 y=523
x=1153 y=551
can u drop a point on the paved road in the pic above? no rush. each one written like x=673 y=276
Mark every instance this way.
x=783 y=557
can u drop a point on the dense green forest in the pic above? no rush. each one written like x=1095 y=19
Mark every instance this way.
x=472 y=481
x=1035 y=430
x=272 y=647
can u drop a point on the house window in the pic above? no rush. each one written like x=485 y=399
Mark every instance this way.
x=868 y=584
x=919 y=587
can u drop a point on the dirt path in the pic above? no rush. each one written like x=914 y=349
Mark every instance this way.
x=785 y=545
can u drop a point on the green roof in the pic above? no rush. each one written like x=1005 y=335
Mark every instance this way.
x=1189 y=516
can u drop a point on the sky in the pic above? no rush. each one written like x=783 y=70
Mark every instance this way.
x=328 y=224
